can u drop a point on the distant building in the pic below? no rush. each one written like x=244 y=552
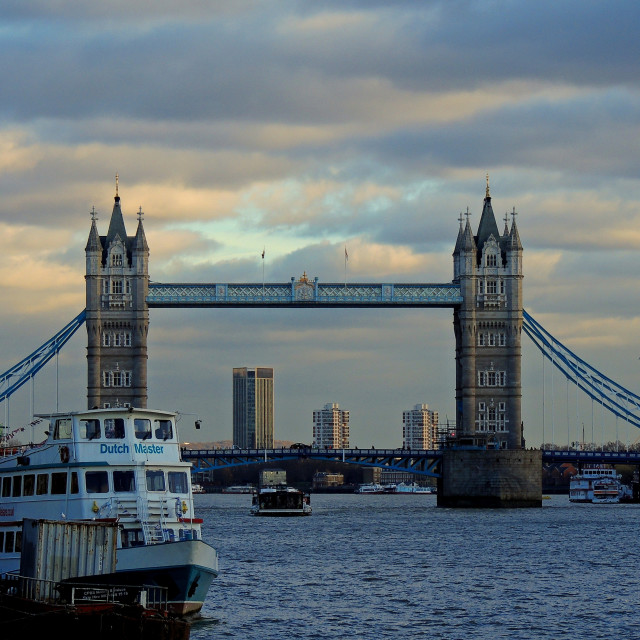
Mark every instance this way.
x=420 y=430
x=271 y=477
x=392 y=476
x=253 y=407
x=325 y=479
x=331 y=427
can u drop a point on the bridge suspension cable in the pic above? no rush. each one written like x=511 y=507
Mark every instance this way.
x=20 y=373
x=615 y=398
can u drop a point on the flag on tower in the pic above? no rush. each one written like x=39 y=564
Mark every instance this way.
x=346 y=255
x=263 y=254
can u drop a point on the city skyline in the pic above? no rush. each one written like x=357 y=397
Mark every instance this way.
x=338 y=139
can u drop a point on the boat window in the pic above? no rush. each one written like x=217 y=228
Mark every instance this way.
x=132 y=538
x=155 y=481
x=124 y=481
x=96 y=481
x=142 y=428
x=90 y=429
x=8 y=542
x=29 y=483
x=62 y=430
x=164 y=429
x=59 y=483
x=18 y=541
x=6 y=486
x=42 y=484
x=74 y=482
x=177 y=482
x=17 y=486
x=114 y=428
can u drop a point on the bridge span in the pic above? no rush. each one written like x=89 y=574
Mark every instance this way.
x=420 y=462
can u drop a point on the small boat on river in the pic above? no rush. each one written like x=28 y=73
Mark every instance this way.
x=240 y=488
x=597 y=484
x=280 y=500
x=371 y=487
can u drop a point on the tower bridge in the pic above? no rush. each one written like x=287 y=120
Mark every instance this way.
x=485 y=295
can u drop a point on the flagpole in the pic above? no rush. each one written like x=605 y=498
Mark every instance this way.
x=346 y=258
x=263 y=271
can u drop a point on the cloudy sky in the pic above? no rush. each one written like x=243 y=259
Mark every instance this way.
x=301 y=128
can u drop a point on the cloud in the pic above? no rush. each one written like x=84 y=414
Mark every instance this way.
x=304 y=127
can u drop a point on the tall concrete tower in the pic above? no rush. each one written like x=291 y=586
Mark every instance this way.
x=117 y=282
x=253 y=407
x=488 y=330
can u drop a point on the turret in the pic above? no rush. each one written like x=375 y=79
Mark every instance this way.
x=117 y=314
x=488 y=326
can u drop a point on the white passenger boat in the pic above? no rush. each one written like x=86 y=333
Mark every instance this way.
x=412 y=487
x=240 y=488
x=280 y=500
x=370 y=487
x=119 y=464
x=597 y=484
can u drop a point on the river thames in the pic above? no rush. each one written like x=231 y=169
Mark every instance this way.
x=396 y=566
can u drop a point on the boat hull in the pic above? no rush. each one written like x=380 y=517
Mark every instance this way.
x=280 y=513
x=185 y=568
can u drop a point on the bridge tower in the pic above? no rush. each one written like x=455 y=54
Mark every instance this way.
x=488 y=330
x=117 y=282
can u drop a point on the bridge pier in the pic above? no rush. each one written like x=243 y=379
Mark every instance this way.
x=490 y=478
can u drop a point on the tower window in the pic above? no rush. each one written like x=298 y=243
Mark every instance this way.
x=492 y=378
x=491 y=260
x=491 y=287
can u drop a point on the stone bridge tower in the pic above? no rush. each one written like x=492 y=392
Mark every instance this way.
x=488 y=330
x=117 y=283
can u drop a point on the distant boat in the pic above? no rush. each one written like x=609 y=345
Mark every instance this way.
x=597 y=484
x=370 y=487
x=240 y=488
x=280 y=500
x=412 y=487
x=197 y=488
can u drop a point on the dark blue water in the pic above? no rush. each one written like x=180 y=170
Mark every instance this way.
x=398 y=567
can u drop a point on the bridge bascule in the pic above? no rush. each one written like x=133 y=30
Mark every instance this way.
x=485 y=296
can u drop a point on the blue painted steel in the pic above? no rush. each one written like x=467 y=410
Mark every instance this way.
x=614 y=397
x=591 y=457
x=303 y=293
x=14 y=378
x=423 y=462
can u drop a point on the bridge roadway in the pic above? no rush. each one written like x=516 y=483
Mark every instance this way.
x=420 y=462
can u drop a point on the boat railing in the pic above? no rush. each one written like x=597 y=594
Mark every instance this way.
x=78 y=593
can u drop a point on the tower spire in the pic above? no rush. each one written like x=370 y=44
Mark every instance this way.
x=487 y=194
x=117 y=198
